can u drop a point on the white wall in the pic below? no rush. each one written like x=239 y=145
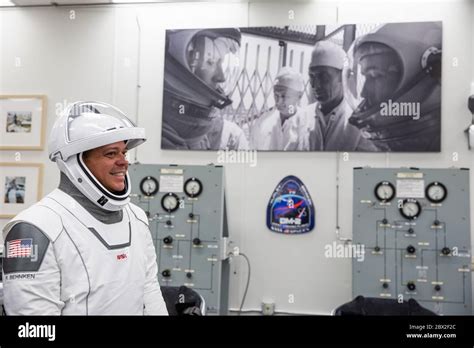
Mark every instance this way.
x=95 y=56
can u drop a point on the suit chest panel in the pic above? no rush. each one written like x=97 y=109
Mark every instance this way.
x=98 y=260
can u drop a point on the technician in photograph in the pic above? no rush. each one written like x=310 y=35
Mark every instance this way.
x=399 y=104
x=328 y=116
x=84 y=249
x=227 y=135
x=281 y=127
x=201 y=70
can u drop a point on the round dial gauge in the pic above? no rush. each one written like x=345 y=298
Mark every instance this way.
x=436 y=192
x=384 y=191
x=149 y=186
x=170 y=202
x=193 y=187
x=410 y=209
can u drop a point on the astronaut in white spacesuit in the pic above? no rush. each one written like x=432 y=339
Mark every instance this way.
x=84 y=249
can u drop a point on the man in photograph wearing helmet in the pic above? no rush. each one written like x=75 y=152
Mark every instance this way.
x=328 y=116
x=201 y=68
x=401 y=67
x=280 y=127
x=84 y=249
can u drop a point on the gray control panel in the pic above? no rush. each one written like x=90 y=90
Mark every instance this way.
x=186 y=212
x=414 y=227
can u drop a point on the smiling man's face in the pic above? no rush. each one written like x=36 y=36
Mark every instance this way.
x=109 y=165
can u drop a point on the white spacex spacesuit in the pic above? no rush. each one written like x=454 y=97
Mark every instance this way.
x=82 y=250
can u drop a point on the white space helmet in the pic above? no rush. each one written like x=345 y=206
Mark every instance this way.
x=84 y=126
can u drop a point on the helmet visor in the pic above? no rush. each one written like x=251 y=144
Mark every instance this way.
x=88 y=119
x=373 y=74
x=215 y=61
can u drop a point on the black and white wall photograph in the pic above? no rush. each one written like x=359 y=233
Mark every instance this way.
x=354 y=87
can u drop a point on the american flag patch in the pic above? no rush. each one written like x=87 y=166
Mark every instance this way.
x=19 y=247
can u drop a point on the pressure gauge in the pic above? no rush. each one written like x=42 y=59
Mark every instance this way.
x=149 y=186
x=170 y=202
x=436 y=192
x=193 y=187
x=384 y=191
x=410 y=209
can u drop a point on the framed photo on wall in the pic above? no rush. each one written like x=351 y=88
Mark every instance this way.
x=20 y=187
x=22 y=122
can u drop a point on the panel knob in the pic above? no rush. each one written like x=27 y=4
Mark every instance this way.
x=446 y=251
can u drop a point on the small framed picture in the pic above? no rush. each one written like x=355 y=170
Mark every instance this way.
x=22 y=122
x=20 y=187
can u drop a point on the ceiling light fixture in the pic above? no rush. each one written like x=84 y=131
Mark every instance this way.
x=6 y=3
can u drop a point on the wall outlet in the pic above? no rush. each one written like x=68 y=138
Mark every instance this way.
x=268 y=308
